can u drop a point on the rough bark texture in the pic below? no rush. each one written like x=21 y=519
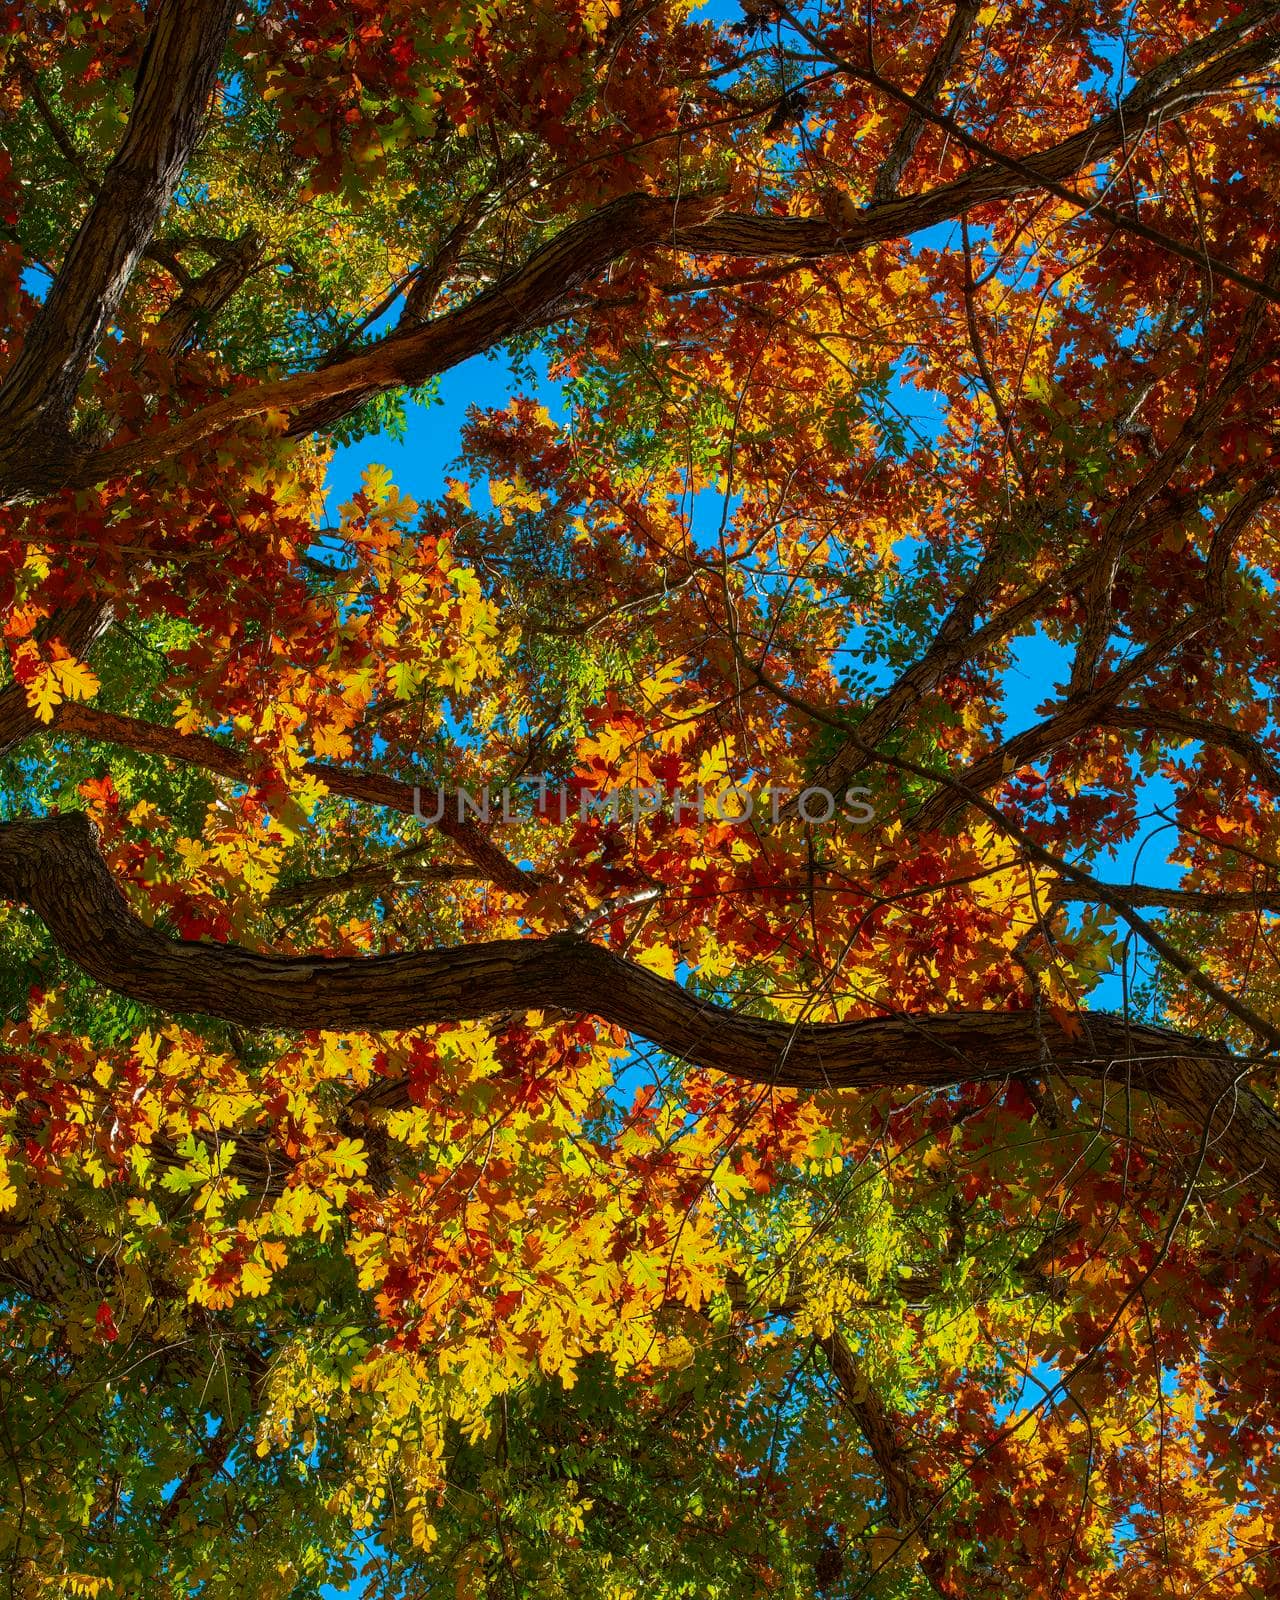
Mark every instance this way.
x=382 y=877
x=175 y=79
x=53 y=866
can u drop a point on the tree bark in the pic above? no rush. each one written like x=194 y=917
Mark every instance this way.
x=174 y=81
x=52 y=865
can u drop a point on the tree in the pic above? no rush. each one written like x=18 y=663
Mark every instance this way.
x=706 y=1174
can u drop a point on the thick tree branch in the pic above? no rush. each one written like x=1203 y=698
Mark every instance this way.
x=374 y=878
x=174 y=81
x=202 y=298
x=536 y=293
x=1211 y=902
x=1144 y=719
x=53 y=866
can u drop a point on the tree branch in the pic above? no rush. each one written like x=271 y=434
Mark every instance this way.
x=532 y=296
x=1266 y=1032
x=1212 y=902
x=372 y=878
x=203 y=297
x=1079 y=714
x=199 y=750
x=1146 y=719
x=903 y=148
x=52 y=865
x=906 y=1502
x=174 y=81
x=1154 y=95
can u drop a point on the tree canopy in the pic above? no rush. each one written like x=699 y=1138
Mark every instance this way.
x=590 y=1032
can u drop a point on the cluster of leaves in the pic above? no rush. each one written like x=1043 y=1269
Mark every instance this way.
x=522 y=1306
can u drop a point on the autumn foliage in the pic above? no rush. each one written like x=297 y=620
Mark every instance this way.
x=652 y=1201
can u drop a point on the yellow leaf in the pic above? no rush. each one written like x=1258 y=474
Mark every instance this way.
x=75 y=679
x=43 y=693
x=659 y=960
x=186 y=718
x=405 y=678
x=348 y=1158
x=255 y=1278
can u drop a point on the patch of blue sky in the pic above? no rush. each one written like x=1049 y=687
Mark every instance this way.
x=725 y=12
x=35 y=279
x=1032 y=1387
x=1112 y=48
x=937 y=236
x=431 y=446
